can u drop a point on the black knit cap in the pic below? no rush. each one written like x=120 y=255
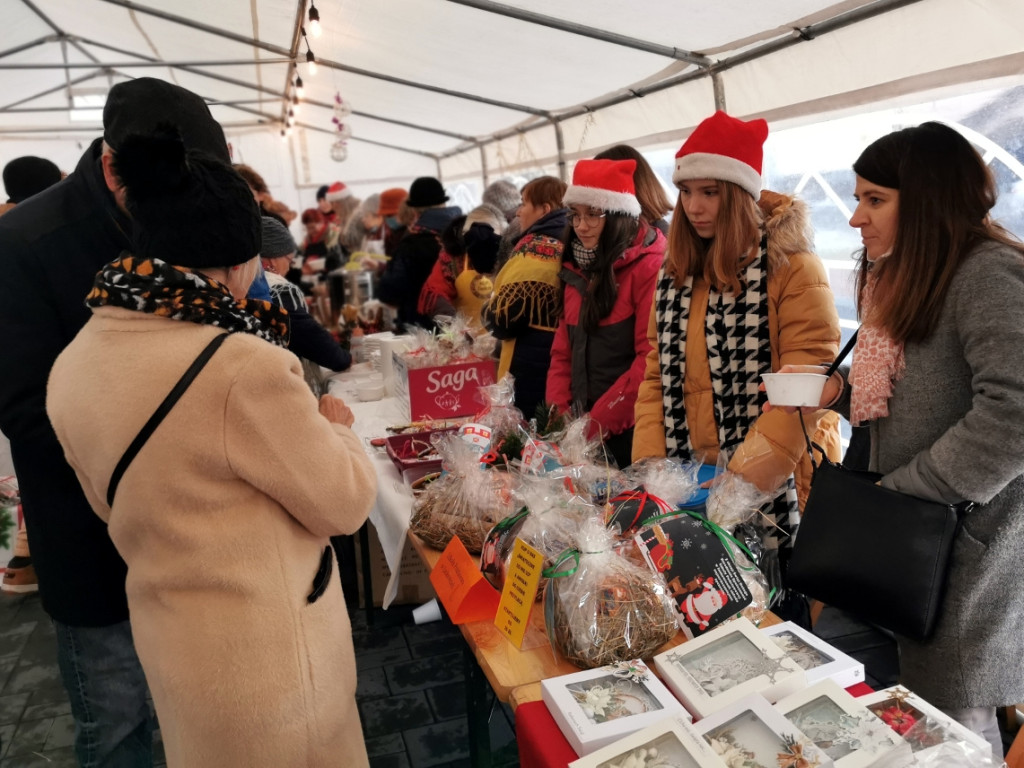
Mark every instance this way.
x=426 y=192
x=27 y=176
x=188 y=208
x=139 y=106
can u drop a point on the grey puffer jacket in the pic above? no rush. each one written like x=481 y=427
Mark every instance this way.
x=955 y=432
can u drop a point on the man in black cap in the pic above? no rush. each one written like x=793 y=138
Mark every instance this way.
x=51 y=247
x=414 y=257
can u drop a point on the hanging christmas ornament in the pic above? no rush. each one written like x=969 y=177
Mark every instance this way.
x=339 y=151
x=341 y=107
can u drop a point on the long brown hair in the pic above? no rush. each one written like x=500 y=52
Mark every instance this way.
x=737 y=232
x=945 y=194
x=619 y=233
x=654 y=203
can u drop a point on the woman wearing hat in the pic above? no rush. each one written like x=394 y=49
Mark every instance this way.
x=224 y=515
x=610 y=262
x=936 y=378
x=741 y=294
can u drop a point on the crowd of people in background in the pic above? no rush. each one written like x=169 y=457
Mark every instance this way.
x=653 y=317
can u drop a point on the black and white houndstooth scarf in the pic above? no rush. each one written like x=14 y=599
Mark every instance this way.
x=739 y=351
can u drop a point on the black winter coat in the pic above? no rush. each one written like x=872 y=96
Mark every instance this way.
x=51 y=247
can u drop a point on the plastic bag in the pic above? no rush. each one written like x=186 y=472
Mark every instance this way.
x=600 y=608
x=466 y=501
x=656 y=487
x=547 y=520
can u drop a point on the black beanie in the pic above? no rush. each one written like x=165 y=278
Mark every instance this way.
x=139 y=106
x=27 y=176
x=188 y=208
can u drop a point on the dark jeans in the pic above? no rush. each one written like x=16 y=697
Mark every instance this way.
x=107 y=689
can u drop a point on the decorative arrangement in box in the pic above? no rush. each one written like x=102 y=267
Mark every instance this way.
x=848 y=733
x=931 y=734
x=600 y=608
x=670 y=743
x=598 y=706
x=750 y=733
x=727 y=664
x=817 y=658
x=438 y=376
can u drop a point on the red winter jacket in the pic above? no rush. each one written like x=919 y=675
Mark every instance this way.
x=609 y=363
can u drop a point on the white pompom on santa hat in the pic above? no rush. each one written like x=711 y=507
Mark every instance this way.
x=724 y=148
x=338 y=191
x=604 y=184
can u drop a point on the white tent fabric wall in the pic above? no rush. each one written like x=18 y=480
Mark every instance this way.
x=432 y=82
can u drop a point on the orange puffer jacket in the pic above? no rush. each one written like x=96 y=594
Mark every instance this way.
x=804 y=328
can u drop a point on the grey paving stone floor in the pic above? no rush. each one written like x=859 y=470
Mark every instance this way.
x=411 y=693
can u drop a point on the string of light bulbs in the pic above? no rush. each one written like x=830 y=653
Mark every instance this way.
x=293 y=103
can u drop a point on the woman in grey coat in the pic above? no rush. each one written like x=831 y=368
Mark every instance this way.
x=938 y=377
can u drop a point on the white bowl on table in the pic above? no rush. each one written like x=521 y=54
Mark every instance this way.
x=794 y=389
x=370 y=390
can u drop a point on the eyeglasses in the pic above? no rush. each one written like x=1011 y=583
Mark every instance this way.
x=590 y=218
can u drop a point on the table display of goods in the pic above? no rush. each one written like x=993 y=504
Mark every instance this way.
x=750 y=732
x=844 y=729
x=601 y=608
x=438 y=375
x=819 y=660
x=935 y=738
x=669 y=743
x=727 y=664
x=598 y=706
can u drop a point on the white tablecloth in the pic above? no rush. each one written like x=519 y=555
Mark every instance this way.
x=393 y=507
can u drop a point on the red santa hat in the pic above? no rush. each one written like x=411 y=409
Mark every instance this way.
x=604 y=184
x=726 y=149
x=338 y=191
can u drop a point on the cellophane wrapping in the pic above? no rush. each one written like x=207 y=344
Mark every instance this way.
x=607 y=608
x=466 y=501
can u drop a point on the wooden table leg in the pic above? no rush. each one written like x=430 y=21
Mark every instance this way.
x=478 y=711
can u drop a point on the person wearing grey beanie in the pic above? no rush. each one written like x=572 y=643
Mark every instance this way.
x=309 y=340
x=503 y=195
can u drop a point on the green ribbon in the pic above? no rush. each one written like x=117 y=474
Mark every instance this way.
x=554 y=573
x=723 y=535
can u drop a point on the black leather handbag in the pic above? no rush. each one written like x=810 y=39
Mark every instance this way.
x=879 y=554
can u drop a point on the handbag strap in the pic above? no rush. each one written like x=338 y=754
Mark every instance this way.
x=162 y=410
x=828 y=373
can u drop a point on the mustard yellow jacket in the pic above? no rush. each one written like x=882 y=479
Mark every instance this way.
x=804 y=328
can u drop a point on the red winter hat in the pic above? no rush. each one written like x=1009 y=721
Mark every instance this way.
x=338 y=191
x=604 y=184
x=726 y=149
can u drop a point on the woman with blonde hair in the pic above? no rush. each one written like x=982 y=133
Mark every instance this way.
x=741 y=294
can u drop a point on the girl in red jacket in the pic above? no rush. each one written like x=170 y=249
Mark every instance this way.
x=610 y=266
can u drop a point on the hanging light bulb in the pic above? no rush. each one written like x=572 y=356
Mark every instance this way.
x=310 y=61
x=299 y=90
x=314 y=21
x=291 y=117
x=284 y=135
x=295 y=104
x=287 y=130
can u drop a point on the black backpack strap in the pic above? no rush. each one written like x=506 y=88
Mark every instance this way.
x=162 y=410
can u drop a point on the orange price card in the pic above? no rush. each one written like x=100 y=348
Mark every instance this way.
x=462 y=589
x=524 y=572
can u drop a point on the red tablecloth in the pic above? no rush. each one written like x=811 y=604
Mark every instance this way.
x=542 y=745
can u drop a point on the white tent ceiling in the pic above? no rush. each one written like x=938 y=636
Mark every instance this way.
x=475 y=88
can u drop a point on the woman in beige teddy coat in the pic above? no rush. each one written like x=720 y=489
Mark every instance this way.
x=224 y=515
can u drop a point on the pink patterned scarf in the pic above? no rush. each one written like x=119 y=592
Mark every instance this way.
x=877 y=364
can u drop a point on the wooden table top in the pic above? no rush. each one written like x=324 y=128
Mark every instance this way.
x=515 y=674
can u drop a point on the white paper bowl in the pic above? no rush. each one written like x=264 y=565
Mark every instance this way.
x=370 y=391
x=794 y=389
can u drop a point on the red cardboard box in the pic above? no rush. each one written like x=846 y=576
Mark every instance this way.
x=442 y=392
